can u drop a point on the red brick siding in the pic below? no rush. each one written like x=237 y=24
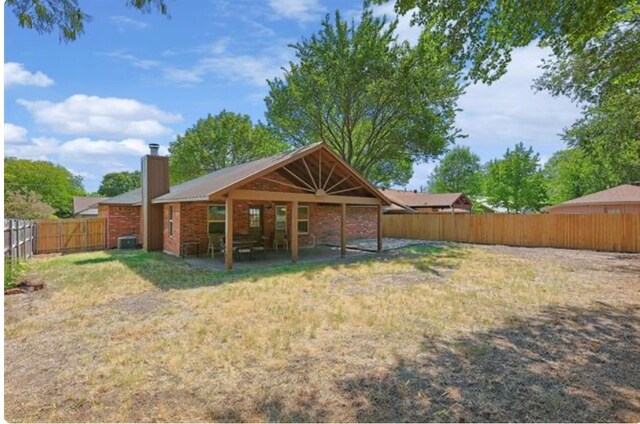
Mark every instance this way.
x=325 y=223
x=121 y=221
x=171 y=242
x=190 y=219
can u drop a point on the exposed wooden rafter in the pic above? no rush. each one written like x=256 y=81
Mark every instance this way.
x=287 y=184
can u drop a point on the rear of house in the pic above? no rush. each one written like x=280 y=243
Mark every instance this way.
x=292 y=200
x=621 y=199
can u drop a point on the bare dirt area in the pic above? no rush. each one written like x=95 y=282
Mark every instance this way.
x=427 y=333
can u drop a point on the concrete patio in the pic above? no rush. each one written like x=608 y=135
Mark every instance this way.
x=281 y=257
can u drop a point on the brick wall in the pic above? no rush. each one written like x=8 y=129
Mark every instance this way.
x=325 y=223
x=121 y=221
x=190 y=219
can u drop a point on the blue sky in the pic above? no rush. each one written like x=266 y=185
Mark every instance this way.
x=93 y=105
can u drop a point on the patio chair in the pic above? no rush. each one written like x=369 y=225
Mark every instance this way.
x=280 y=239
x=258 y=244
x=215 y=243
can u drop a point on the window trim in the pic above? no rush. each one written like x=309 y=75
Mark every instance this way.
x=307 y=220
x=170 y=221
x=209 y=221
x=259 y=209
x=275 y=210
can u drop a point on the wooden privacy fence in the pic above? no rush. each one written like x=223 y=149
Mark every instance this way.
x=71 y=235
x=617 y=233
x=19 y=238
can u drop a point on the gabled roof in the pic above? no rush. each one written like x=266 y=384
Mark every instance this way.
x=626 y=193
x=422 y=200
x=82 y=203
x=223 y=180
x=131 y=198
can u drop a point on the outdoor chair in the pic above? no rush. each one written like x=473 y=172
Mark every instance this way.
x=280 y=239
x=258 y=244
x=215 y=243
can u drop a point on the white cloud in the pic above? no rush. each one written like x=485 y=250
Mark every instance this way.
x=253 y=69
x=133 y=60
x=101 y=116
x=85 y=149
x=14 y=134
x=299 y=10
x=16 y=74
x=124 y=22
x=509 y=111
x=38 y=148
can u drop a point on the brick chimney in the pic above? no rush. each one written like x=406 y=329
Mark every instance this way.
x=155 y=183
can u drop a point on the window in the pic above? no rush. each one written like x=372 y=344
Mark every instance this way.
x=216 y=219
x=255 y=220
x=303 y=219
x=170 y=221
x=613 y=210
x=281 y=218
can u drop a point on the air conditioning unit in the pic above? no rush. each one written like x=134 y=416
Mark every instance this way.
x=127 y=242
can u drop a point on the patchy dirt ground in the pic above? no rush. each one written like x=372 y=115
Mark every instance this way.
x=456 y=333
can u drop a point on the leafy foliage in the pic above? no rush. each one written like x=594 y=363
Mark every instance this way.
x=378 y=103
x=483 y=33
x=459 y=171
x=45 y=16
x=571 y=173
x=115 y=183
x=54 y=183
x=12 y=271
x=217 y=142
x=27 y=205
x=515 y=181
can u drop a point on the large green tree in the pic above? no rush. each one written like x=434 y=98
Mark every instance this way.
x=66 y=16
x=570 y=175
x=219 y=141
x=595 y=60
x=115 y=183
x=483 y=33
x=380 y=104
x=458 y=171
x=516 y=182
x=56 y=184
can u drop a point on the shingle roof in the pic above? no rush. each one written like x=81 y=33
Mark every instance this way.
x=626 y=193
x=81 y=203
x=418 y=200
x=218 y=181
x=202 y=187
x=133 y=198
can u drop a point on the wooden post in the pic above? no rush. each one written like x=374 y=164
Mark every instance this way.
x=228 y=235
x=379 y=228
x=294 y=231
x=343 y=231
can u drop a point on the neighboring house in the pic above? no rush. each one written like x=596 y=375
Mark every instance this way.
x=621 y=199
x=310 y=194
x=417 y=202
x=487 y=207
x=86 y=206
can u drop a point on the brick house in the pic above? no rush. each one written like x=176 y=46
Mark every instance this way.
x=624 y=198
x=310 y=195
x=413 y=201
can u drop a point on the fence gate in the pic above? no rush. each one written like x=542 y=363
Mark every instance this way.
x=71 y=235
x=19 y=238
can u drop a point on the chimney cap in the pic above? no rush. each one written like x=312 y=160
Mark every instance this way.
x=154 y=147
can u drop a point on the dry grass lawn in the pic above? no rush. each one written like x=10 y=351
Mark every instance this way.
x=464 y=333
